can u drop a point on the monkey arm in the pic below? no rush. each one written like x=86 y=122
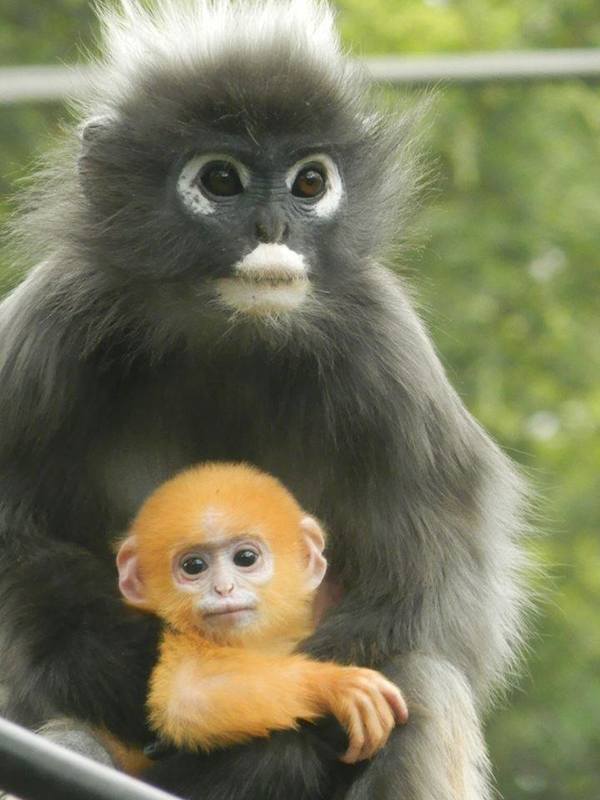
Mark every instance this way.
x=439 y=636
x=442 y=741
x=295 y=765
x=203 y=696
x=443 y=738
x=69 y=646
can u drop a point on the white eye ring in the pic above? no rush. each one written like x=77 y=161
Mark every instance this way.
x=330 y=201
x=191 y=194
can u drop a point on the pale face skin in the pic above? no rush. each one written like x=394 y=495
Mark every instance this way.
x=224 y=576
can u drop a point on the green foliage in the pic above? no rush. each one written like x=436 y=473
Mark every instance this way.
x=512 y=271
x=44 y=33
x=508 y=275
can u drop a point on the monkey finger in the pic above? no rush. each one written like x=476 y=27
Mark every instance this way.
x=393 y=696
x=384 y=710
x=356 y=735
x=381 y=707
x=376 y=734
x=395 y=700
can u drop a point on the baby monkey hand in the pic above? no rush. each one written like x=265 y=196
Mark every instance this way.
x=368 y=706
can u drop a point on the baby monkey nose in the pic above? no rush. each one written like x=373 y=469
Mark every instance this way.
x=223 y=589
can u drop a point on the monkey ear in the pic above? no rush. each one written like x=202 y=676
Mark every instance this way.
x=314 y=539
x=93 y=128
x=130 y=581
x=91 y=134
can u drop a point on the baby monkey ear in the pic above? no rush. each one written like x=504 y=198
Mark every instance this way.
x=130 y=581
x=314 y=540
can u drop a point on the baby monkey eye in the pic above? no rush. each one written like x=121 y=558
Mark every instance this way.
x=193 y=565
x=220 y=178
x=245 y=557
x=310 y=182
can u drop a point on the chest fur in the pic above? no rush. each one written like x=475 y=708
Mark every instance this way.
x=237 y=416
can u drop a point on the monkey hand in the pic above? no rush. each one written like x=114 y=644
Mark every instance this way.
x=368 y=706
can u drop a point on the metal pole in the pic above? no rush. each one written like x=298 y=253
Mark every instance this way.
x=525 y=65
x=36 y=769
x=52 y=83
x=42 y=83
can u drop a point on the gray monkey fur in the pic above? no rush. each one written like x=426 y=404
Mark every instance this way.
x=118 y=367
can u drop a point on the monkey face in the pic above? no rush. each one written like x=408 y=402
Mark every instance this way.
x=274 y=208
x=223 y=579
x=224 y=549
x=252 y=187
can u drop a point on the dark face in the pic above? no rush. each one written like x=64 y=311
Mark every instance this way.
x=269 y=208
x=257 y=192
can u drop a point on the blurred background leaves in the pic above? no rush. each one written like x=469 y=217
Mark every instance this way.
x=507 y=272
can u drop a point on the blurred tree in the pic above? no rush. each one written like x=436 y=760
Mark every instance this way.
x=508 y=274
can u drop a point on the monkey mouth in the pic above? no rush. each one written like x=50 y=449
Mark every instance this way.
x=224 y=612
x=272 y=278
x=264 y=292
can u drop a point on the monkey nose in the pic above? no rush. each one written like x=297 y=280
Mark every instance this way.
x=223 y=589
x=271 y=229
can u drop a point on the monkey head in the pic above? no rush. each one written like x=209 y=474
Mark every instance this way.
x=226 y=550
x=232 y=158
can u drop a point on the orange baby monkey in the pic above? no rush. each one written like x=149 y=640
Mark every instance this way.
x=227 y=558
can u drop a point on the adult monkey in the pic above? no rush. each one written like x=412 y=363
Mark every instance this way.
x=211 y=289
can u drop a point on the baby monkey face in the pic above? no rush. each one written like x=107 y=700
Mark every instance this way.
x=224 y=577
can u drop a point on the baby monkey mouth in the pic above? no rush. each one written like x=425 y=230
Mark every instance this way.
x=224 y=610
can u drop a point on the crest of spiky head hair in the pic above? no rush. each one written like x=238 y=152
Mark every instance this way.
x=140 y=38
x=173 y=33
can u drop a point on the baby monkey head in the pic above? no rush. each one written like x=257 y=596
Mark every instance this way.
x=226 y=550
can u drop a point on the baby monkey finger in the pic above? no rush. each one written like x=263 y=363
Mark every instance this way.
x=367 y=731
x=395 y=700
x=356 y=735
x=377 y=730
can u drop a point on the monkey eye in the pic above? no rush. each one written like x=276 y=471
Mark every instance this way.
x=220 y=178
x=193 y=565
x=310 y=182
x=245 y=557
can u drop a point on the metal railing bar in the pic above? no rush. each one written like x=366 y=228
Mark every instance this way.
x=34 y=768
x=42 y=83
x=494 y=66
x=53 y=83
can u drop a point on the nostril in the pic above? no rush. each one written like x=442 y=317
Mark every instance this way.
x=262 y=234
x=273 y=233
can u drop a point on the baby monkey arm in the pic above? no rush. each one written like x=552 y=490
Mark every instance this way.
x=204 y=696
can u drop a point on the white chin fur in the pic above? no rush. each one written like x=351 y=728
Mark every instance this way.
x=250 y=298
x=270 y=279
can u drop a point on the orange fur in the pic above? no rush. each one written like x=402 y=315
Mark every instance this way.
x=129 y=759
x=205 y=696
